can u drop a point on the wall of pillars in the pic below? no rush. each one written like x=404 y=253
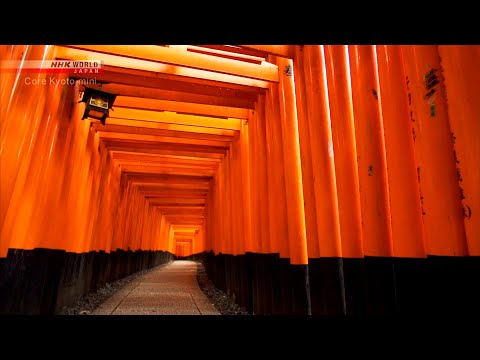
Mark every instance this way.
x=359 y=150
x=361 y=164
x=60 y=188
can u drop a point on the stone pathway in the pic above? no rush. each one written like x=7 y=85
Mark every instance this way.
x=169 y=290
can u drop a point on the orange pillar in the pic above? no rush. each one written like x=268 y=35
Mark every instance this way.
x=96 y=203
x=462 y=75
x=232 y=180
x=21 y=115
x=212 y=205
x=276 y=202
x=442 y=215
x=306 y=157
x=171 y=240
x=120 y=225
x=407 y=227
x=238 y=191
x=279 y=198
x=262 y=175
x=292 y=168
x=233 y=189
x=228 y=214
x=372 y=162
x=344 y=148
x=218 y=210
x=212 y=228
x=318 y=116
x=254 y=154
x=245 y=169
x=222 y=203
x=206 y=230
x=209 y=226
x=270 y=171
x=35 y=195
x=11 y=82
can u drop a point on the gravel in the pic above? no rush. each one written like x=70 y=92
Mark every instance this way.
x=222 y=302
x=88 y=303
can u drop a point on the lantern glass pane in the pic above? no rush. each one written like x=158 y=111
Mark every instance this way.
x=98 y=101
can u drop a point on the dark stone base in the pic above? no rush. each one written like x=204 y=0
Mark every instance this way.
x=262 y=283
x=327 y=289
x=43 y=281
x=453 y=285
x=266 y=284
x=380 y=285
x=354 y=277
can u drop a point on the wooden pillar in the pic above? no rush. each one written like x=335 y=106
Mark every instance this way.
x=407 y=227
x=238 y=191
x=461 y=71
x=246 y=177
x=441 y=202
x=263 y=176
x=279 y=199
x=292 y=164
x=319 y=127
x=344 y=148
x=306 y=156
x=222 y=203
x=254 y=154
x=233 y=205
x=372 y=162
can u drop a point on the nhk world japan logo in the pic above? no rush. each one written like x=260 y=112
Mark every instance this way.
x=53 y=66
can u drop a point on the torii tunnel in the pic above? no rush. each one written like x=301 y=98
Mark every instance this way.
x=308 y=179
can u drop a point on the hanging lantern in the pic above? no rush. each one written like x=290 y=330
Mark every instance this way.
x=98 y=104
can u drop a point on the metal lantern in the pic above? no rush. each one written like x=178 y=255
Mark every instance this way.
x=98 y=104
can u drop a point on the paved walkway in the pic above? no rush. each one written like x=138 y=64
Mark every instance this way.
x=168 y=290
